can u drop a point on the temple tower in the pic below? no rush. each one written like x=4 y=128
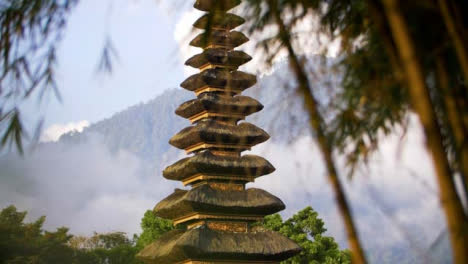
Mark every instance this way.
x=218 y=214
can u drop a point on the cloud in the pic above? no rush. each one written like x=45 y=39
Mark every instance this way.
x=53 y=133
x=84 y=187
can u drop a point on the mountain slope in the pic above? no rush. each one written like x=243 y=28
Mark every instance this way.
x=143 y=129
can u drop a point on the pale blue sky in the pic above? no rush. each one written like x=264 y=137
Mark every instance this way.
x=148 y=63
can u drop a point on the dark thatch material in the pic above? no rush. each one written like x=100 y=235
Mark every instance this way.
x=206 y=200
x=226 y=21
x=213 y=103
x=221 y=38
x=205 y=244
x=213 y=132
x=219 y=56
x=216 y=5
x=209 y=164
x=220 y=78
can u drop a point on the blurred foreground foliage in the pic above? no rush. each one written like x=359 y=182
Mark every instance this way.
x=399 y=59
x=30 y=32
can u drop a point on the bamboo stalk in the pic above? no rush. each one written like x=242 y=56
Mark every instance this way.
x=422 y=105
x=317 y=123
x=456 y=123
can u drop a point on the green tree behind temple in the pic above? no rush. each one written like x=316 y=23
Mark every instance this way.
x=307 y=229
x=152 y=228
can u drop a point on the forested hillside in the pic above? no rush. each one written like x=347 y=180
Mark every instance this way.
x=146 y=128
x=143 y=129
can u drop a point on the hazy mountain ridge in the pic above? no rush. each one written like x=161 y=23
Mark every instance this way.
x=143 y=129
x=146 y=128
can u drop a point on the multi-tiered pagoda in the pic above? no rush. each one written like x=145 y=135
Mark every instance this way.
x=218 y=213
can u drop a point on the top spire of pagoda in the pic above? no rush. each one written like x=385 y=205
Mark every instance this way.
x=216 y=5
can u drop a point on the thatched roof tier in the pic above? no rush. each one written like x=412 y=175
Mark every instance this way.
x=219 y=57
x=204 y=244
x=216 y=5
x=219 y=38
x=244 y=135
x=246 y=166
x=220 y=78
x=207 y=200
x=213 y=103
x=217 y=20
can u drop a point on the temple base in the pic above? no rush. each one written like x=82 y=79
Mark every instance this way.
x=204 y=245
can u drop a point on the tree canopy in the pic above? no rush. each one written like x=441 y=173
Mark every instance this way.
x=307 y=230
x=28 y=243
x=152 y=228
